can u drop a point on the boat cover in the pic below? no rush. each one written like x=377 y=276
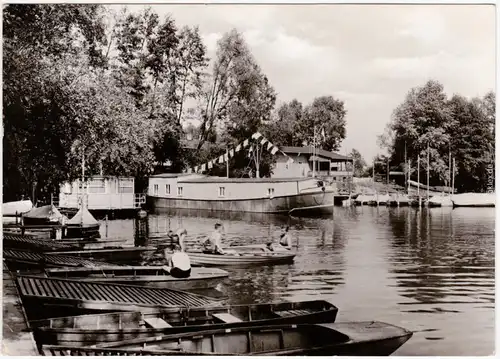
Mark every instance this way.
x=83 y=217
x=49 y=212
x=10 y=208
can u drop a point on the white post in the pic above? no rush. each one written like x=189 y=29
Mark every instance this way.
x=314 y=150
x=453 y=179
x=227 y=162
x=428 y=171
x=418 y=179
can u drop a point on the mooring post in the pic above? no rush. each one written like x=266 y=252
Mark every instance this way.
x=106 y=224
x=141 y=228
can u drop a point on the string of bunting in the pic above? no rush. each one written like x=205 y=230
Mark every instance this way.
x=257 y=136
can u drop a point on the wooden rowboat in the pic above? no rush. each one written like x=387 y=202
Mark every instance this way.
x=343 y=339
x=118 y=255
x=158 y=276
x=23 y=242
x=92 y=329
x=44 y=296
x=17 y=259
x=250 y=258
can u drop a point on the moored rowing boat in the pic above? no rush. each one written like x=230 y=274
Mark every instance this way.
x=350 y=338
x=157 y=276
x=251 y=258
x=92 y=329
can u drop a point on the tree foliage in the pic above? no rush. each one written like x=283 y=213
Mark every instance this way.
x=359 y=163
x=428 y=123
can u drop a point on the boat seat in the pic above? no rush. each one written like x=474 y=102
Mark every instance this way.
x=292 y=313
x=227 y=318
x=156 y=323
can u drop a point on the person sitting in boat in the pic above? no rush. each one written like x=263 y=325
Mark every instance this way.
x=179 y=263
x=285 y=241
x=181 y=234
x=213 y=244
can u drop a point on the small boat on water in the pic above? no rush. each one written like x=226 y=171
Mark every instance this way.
x=440 y=201
x=16 y=207
x=87 y=330
x=474 y=200
x=343 y=339
x=19 y=259
x=157 y=276
x=82 y=224
x=42 y=297
x=117 y=255
x=241 y=258
x=45 y=215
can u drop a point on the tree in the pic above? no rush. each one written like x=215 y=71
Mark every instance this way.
x=324 y=114
x=282 y=129
x=359 y=163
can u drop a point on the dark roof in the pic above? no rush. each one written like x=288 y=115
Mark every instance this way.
x=320 y=152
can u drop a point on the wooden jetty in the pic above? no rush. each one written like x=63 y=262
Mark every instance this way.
x=83 y=297
x=345 y=339
x=16 y=339
x=28 y=259
x=84 y=330
x=117 y=255
x=158 y=276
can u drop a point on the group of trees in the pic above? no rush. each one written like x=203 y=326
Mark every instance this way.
x=84 y=84
x=428 y=122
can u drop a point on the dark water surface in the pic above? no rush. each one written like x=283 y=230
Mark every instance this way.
x=430 y=271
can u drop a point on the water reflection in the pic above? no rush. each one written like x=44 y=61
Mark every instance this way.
x=431 y=271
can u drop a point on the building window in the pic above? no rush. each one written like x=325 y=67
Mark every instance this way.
x=167 y=189
x=270 y=192
x=222 y=191
x=97 y=186
x=286 y=166
x=179 y=191
x=127 y=186
x=155 y=190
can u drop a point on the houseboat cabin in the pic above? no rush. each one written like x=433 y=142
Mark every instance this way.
x=101 y=193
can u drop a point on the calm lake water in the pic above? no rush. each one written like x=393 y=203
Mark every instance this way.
x=430 y=271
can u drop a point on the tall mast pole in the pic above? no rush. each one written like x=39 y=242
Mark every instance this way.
x=449 y=169
x=428 y=170
x=418 y=179
x=314 y=151
x=227 y=162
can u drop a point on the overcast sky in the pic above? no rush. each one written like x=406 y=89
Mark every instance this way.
x=369 y=56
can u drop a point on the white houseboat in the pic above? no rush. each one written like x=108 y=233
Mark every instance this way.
x=303 y=182
x=101 y=193
x=264 y=195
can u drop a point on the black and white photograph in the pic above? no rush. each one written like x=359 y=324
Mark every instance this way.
x=279 y=179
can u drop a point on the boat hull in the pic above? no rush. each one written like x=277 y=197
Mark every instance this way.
x=129 y=255
x=62 y=331
x=201 y=278
x=350 y=338
x=202 y=259
x=318 y=201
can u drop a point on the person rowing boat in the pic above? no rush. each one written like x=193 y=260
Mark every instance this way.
x=284 y=243
x=213 y=244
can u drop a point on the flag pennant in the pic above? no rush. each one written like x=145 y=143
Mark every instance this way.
x=274 y=150
x=269 y=145
x=221 y=159
x=256 y=135
x=210 y=164
x=203 y=166
x=238 y=148
x=264 y=140
x=196 y=168
x=226 y=157
x=245 y=143
x=231 y=153
x=323 y=133
x=250 y=149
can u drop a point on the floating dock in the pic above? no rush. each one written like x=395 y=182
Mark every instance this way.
x=16 y=339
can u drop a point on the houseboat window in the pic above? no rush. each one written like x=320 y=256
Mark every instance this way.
x=126 y=186
x=97 y=186
x=334 y=178
x=179 y=191
x=155 y=187
x=222 y=191
x=167 y=189
x=270 y=191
